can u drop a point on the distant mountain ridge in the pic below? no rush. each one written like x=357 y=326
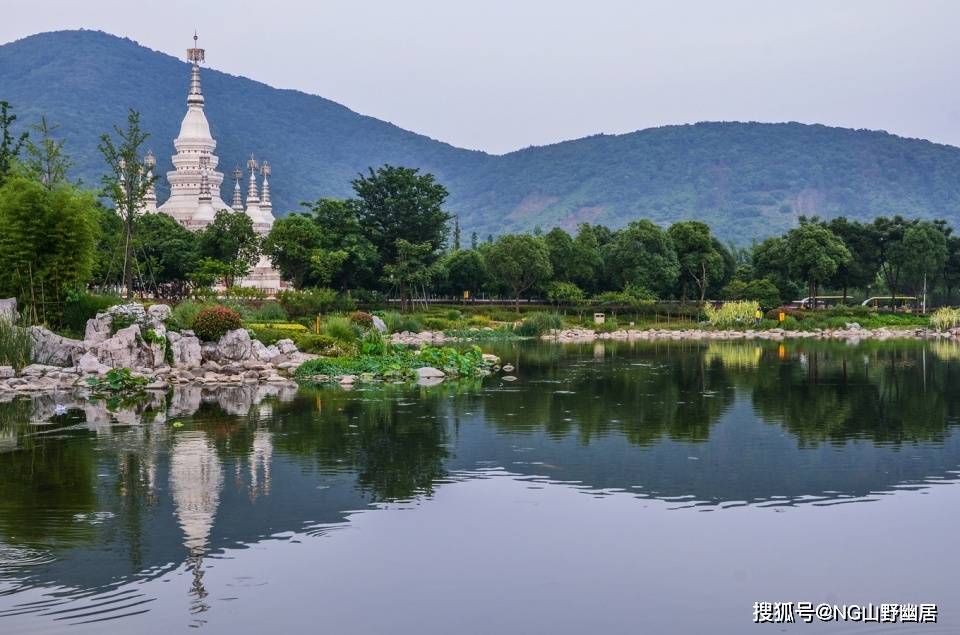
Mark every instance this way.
x=747 y=180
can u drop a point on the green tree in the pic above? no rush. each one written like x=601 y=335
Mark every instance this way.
x=863 y=244
x=231 y=240
x=167 y=253
x=763 y=291
x=291 y=244
x=519 y=261
x=466 y=271
x=893 y=254
x=10 y=145
x=771 y=261
x=342 y=231
x=642 y=255
x=410 y=270
x=127 y=182
x=397 y=203
x=46 y=160
x=47 y=244
x=815 y=253
x=699 y=255
x=928 y=244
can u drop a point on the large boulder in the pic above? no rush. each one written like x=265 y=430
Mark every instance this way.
x=8 y=310
x=263 y=353
x=98 y=328
x=185 y=350
x=379 y=324
x=128 y=349
x=89 y=364
x=49 y=348
x=235 y=345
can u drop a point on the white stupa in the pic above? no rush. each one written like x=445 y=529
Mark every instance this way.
x=195 y=182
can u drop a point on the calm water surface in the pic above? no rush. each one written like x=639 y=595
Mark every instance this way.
x=648 y=488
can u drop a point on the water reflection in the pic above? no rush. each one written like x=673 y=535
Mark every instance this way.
x=92 y=497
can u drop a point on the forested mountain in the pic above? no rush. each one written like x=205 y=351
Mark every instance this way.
x=745 y=179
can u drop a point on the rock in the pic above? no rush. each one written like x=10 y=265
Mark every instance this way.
x=159 y=313
x=428 y=372
x=98 y=328
x=507 y=368
x=235 y=345
x=429 y=381
x=133 y=312
x=346 y=379
x=508 y=378
x=6 y=372
x=286 y=347
x=490 y=359
x=8 y=310
x=89 y=364
x=185 y=350
x=49 y=348
x=209 y=350
x=211 y=366
x=275 y=379
x=128 y=349
x=379 y=324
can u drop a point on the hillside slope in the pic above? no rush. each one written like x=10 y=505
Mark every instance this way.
x=746 y=179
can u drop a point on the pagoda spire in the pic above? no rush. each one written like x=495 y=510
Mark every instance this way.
x=150 y=198
x=265 y=203
x=253 y=197
x=195 y=55
x=237 y=198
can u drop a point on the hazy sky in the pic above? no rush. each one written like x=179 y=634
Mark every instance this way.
x=504 y=74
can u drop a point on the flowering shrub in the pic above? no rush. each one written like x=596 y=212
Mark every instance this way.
x=362 y=318
x=211 y=324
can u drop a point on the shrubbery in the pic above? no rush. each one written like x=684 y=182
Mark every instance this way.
x=81 y=307
x=362 y=319
x=945 y=318
x=399 y=322
x=539 y=323
x=732 y=314
x=307 y=302
x=340 y=328
x=213 y=323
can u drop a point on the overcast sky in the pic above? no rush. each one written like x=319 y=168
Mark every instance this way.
x=499 y=75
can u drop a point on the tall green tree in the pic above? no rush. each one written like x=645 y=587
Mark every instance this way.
x=863 y=244
x=520 y=261
x=127 y=182
x=466 y=270
x=231 y=240
x=699 y=255
x=291 y=244
x=398 y=203
x=642 y=255
x=815 y=253
x=10 y=144
x=46 y=159
x=893 y=254
x=166 y=253
x=771 y=260
x=928 y=244
x=410 y=270
x=47 y=244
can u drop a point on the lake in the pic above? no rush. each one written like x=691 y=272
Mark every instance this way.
x=612 y=488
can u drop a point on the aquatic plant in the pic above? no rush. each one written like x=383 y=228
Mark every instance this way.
x=538 y=323
x=395 y=363
x=15 y=345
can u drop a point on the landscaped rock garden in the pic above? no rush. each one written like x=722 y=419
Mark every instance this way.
x=133 y=337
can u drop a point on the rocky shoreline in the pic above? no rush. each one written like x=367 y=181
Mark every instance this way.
x=143 y=344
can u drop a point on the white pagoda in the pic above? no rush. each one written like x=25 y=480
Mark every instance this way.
x=195 y=182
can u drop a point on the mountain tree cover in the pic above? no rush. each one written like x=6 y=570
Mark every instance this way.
x=745 y=180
